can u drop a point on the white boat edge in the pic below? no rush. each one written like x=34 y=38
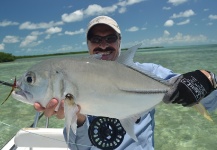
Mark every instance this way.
x=37 y=139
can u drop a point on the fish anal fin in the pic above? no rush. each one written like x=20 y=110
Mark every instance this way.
x=128 y=125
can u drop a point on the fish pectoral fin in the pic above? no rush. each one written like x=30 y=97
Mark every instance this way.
x=128 y=125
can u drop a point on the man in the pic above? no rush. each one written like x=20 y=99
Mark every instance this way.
x=104 y=37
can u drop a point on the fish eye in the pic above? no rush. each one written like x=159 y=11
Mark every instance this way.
x=30 y=78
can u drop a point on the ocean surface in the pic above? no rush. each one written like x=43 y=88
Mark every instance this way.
x=177 y=127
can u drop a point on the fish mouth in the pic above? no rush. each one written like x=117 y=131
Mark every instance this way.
x=22 y=95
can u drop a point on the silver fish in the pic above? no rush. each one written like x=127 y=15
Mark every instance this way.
x=116 y=89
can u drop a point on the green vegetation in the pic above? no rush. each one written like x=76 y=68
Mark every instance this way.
x=70 y=53
x=45 y=55
x=5 y=57
x=154 y=47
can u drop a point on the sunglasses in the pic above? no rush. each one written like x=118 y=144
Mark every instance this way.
x=108 y=39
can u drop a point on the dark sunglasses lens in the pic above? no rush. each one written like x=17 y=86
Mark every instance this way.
x=111 y=38
x=96 y=39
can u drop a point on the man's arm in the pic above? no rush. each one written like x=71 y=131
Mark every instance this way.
x=190 y=88
x=210 y=100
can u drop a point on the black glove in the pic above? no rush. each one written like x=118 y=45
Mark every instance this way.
x=189 y=89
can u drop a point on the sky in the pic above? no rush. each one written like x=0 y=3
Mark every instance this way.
x=33 y=27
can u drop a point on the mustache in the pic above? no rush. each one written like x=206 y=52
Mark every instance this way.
x=106 y=49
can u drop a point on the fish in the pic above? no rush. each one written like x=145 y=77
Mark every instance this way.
x=115 y=89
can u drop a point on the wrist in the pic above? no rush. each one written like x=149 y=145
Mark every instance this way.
x=211 y=76
x=81 y=120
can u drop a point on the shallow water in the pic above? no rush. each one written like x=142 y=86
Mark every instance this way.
x=176 y=128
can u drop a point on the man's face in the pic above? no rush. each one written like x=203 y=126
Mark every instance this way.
x=104 y=40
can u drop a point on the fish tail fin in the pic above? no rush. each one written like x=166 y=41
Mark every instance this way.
x=202 y=110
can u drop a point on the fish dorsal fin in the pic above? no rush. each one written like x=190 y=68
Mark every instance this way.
x=126 y=57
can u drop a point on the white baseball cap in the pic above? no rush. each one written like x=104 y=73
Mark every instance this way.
x=104 y=20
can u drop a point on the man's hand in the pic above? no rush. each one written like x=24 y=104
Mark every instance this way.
x=190 y=88
x=50 y=111
x=50 y=108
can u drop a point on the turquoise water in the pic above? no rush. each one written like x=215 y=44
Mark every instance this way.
x=177 y=128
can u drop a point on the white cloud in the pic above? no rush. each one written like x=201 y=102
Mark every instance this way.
x=206 y=9
x=122 y=10
x=187 y=13
x=36 y=33
x=2 y=46
x=210 y=24
x=47 y=36
x=11 y=39
x=177 y=2
x=64 y=48
x=96 y=9
x=169 y=23
x=184 y=22
x=212 y=17
x=91 y=10
x=31 y=40
x=179 y=38
x=75 y=32
x=8 y=23
x=166 y=8
x=123 y=4
x=132 y=2
x=144 y=28
x=166 y=33
x=128 y=2
x=28 y=40
x=133 y=29
x=99 y=10
x=53 y=30
x=43 y=25
x=73 y=17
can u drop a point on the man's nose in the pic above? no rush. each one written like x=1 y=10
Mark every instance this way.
x=103 y=44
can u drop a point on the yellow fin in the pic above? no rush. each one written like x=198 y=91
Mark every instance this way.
x=201 y=109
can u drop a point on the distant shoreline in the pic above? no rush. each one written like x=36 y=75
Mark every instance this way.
x=71 y=53
x=9 y=57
